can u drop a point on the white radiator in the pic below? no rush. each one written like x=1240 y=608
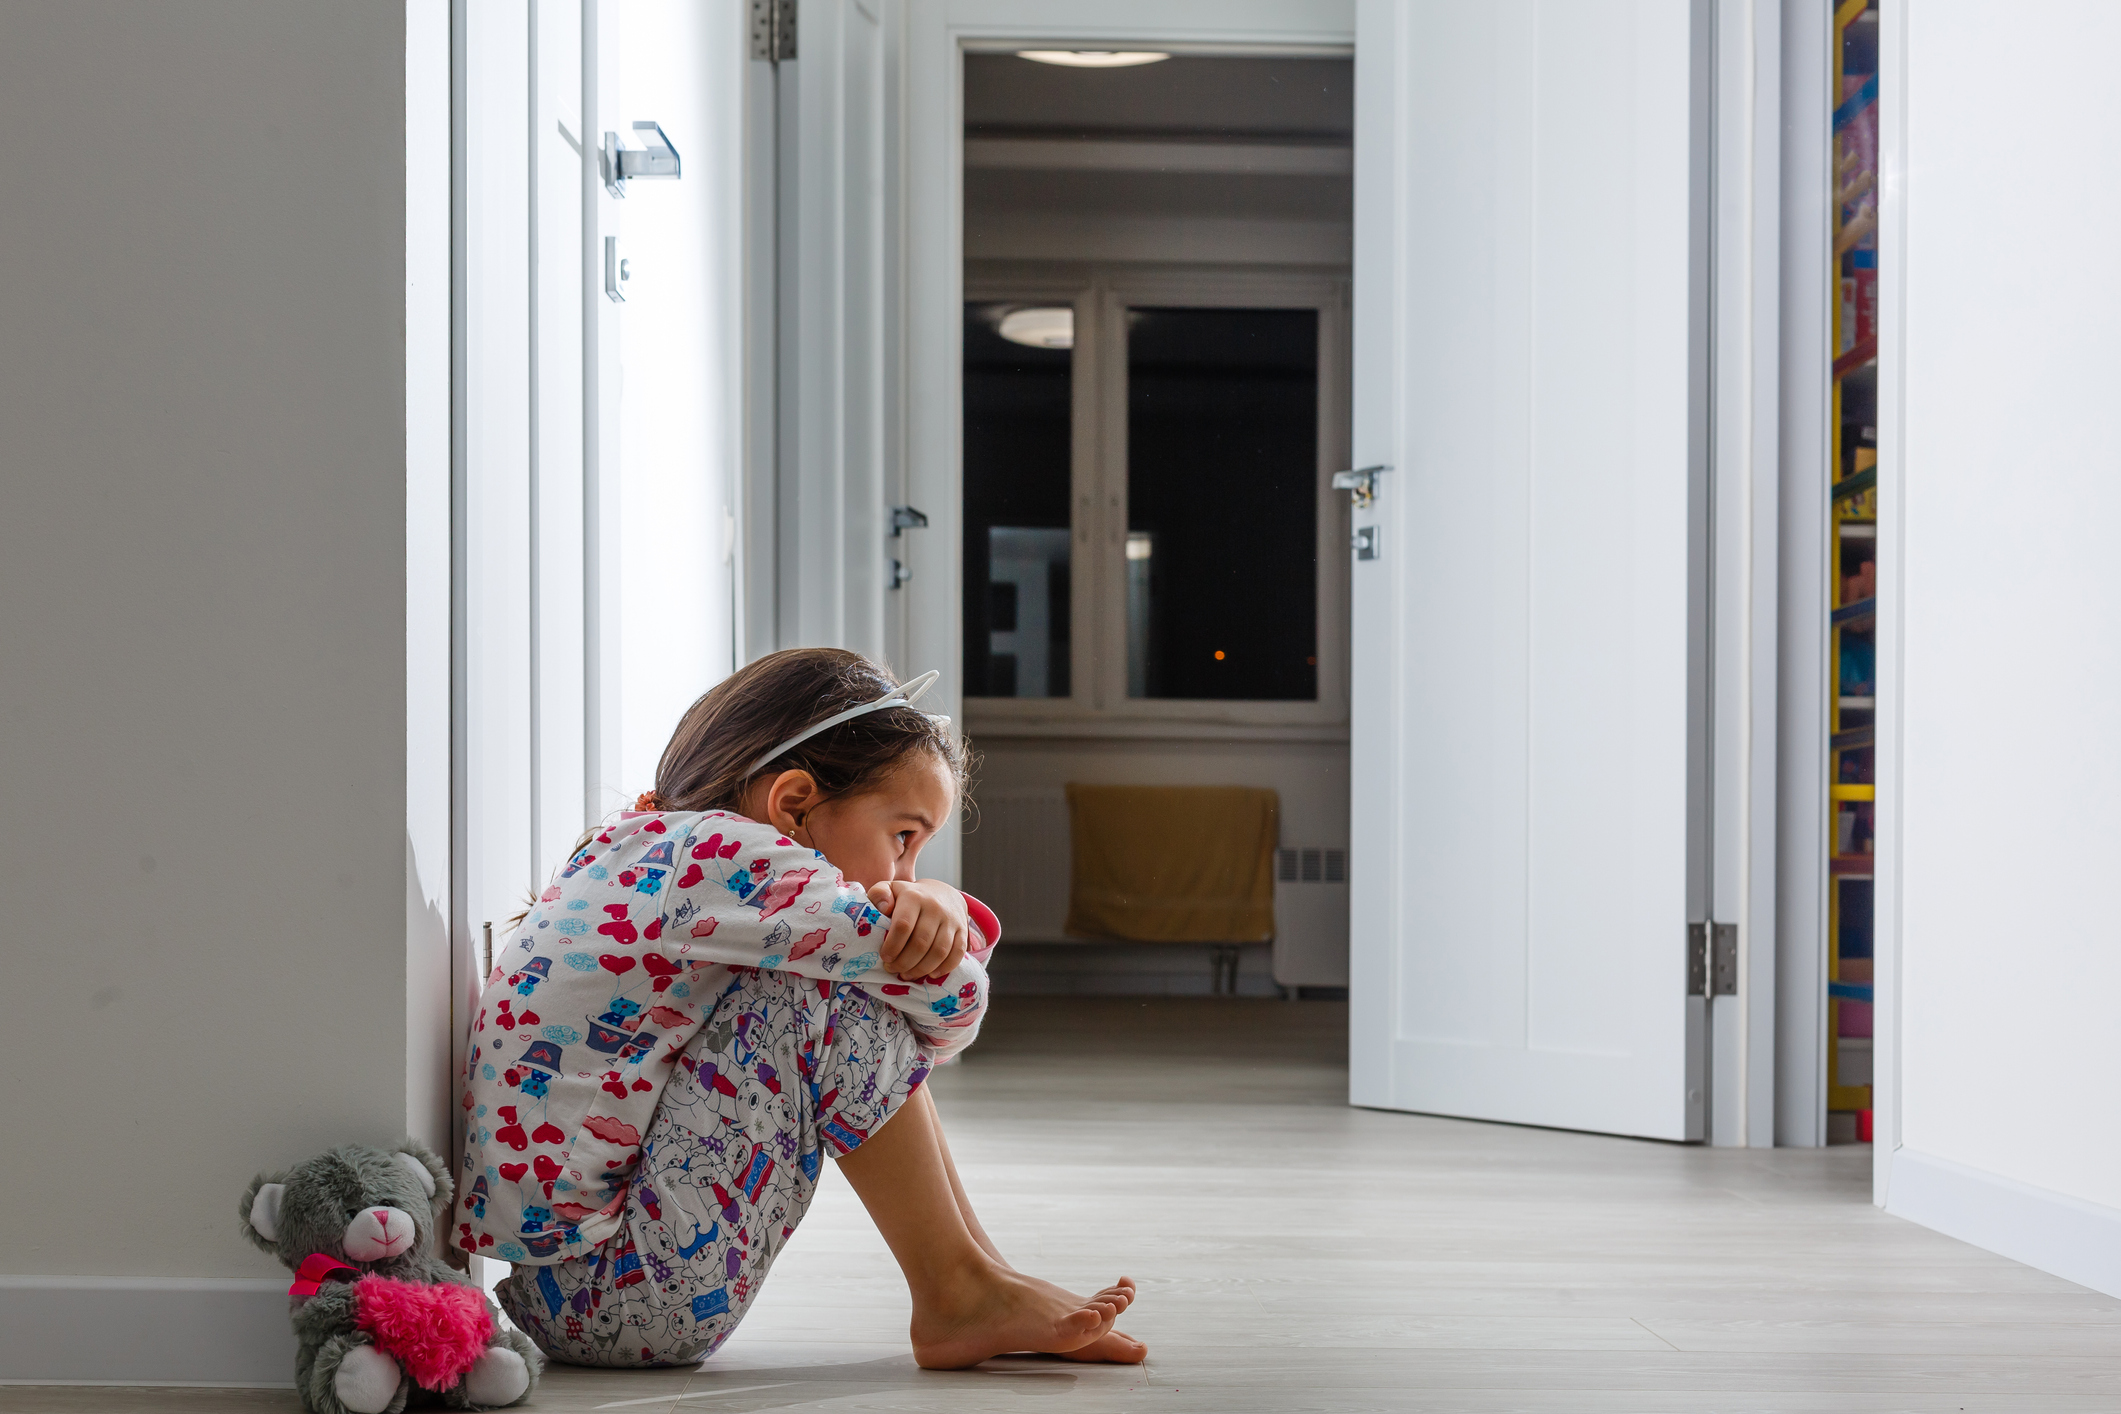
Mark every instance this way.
x=1017 y=859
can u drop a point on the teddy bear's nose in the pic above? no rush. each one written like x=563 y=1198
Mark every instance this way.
x=382 y=1217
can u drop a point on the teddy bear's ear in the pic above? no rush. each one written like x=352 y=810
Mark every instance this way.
x=419 y=1172
x=425 y=1166
x=261 y=1212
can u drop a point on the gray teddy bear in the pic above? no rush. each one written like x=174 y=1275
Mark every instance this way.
x=378 y=1316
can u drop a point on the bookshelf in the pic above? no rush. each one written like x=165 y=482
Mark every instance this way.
x=1853 y=567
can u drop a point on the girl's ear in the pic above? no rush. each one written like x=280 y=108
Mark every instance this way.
x=792 y=795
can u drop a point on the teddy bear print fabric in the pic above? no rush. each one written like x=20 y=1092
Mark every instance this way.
x=784 y=1072
x=596 y=997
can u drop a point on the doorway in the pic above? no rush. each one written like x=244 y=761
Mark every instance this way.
x=1154 y=379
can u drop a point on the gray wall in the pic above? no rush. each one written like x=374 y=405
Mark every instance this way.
x=208 y=838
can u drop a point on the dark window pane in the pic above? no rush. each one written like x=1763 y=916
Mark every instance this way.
x=1222 y=504
x=1018 y=413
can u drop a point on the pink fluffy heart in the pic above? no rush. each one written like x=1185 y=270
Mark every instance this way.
x=436 y=1332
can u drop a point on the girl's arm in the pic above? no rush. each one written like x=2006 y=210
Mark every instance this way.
x=748 y=896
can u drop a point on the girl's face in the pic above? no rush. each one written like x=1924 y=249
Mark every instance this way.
x=871 y=838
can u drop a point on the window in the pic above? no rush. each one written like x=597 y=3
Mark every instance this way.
x=1149 y=532
x=1018 y=592
x=1222 y=504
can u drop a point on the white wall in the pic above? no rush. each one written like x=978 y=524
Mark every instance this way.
x=2000 y=770
x=681 y=404
x=223 y=437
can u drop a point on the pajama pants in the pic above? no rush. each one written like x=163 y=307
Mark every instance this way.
x=777 y=1076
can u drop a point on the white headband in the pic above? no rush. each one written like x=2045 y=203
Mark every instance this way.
x=904 y=696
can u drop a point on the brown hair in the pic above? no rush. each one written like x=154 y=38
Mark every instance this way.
x=711 y=757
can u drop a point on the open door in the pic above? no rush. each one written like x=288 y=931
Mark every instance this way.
x=1529 y=582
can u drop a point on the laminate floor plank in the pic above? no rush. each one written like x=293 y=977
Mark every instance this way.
x=1295 y=1254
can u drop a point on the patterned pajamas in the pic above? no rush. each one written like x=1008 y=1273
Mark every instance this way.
x=784 y=1069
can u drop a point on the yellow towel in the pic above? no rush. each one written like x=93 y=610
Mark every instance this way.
x=1172 y=864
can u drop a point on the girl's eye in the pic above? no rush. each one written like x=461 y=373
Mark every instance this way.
x=903 y=837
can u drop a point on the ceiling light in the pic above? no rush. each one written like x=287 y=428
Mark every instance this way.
x=1093 y=58
x=1041 y=328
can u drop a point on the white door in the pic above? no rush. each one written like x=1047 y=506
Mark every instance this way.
x=1527 y=355
x=534 y=697
x=832 y=582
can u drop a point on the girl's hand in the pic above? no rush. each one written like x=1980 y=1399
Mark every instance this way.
x=930 y=928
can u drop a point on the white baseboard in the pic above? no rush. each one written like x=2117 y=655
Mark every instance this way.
x=2068 y=1237
x=206 y=1331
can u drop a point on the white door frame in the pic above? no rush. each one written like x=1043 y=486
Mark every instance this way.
x=1741 y=396
x=929 y=292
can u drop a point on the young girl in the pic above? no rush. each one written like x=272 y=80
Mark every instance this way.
x=737 y=977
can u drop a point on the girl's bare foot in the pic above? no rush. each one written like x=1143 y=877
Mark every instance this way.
x=1111 y=1348
x=994 y=1311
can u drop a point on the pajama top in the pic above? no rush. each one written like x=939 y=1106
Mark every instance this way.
x=594 y=998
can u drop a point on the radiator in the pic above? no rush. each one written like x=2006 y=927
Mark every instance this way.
x=1017 y=859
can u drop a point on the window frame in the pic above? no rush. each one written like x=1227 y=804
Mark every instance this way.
x=1100 y=294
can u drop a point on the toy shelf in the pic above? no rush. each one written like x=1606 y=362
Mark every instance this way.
x=1852 y=596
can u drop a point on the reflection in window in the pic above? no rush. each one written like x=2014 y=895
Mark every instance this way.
x=1017 y=416
x=1222 y=504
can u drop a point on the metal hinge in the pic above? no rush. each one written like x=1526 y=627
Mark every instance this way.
x=773 y=30
x=1712 y=959
x=905 y=518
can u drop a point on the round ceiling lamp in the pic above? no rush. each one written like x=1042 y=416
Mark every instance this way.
x=1093 y=58
x=1050 y=328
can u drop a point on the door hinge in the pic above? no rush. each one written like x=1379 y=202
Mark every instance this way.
x=773 y=30
x=1712 y=959
x=905 y=518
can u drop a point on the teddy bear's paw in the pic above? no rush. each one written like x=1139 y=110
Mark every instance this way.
x=500 y=1377
x=367 y=1380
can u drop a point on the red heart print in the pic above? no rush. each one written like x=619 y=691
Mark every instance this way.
x=692 y=875
x=705 y=849
x=513 y=1136
x=528 y=1018
x=548 y=1133
x=507 y=1112
x=614 y=1084
x=654 y=827
x=512 y=1172
x=642 y=1085
x=617 y=966
x=604 y=838
x=547 y=1170
x=616 y=910
x=486 y=1239
x=784 y=844
x=728 y=851
x=621 y=933
x=655 y=930
x=657 y=965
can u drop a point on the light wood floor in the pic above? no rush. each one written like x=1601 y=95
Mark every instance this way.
x=1295 y=1254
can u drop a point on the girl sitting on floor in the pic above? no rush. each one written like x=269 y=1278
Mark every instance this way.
x=734 y=979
